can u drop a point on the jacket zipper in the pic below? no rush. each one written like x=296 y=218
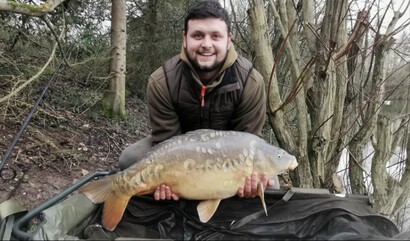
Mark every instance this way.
x=202 y=97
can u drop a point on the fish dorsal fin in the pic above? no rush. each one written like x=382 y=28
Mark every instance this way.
x=206 y=209
x=262 y=196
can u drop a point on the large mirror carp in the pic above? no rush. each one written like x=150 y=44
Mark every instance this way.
x=206 y=165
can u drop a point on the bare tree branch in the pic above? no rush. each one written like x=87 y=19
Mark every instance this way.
x=29 y=9
x=57 y=38
x=237 y=26
x=300 y=99
x=308 y=23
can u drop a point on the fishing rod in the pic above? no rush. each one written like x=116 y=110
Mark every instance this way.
x=23 y=127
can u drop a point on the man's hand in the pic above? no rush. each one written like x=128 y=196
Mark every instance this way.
x=164 y=192
x=251 y=185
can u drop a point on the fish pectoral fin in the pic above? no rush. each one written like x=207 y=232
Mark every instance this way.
x=262 y=196
x=206 y=209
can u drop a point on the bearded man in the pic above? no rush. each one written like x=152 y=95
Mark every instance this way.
x=207 y=86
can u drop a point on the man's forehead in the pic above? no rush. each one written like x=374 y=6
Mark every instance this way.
x=208 y=24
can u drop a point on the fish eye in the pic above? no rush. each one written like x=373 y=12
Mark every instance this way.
x=279 y=156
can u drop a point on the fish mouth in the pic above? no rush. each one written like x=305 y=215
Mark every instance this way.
x=293 y=164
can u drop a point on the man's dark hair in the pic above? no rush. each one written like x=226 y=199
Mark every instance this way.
x=207 y=9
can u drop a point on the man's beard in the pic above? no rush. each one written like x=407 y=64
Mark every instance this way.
x=199 y=68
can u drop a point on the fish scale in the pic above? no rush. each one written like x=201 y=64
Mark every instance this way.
x=203 y=165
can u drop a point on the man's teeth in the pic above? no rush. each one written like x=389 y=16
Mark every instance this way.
x=207 y=54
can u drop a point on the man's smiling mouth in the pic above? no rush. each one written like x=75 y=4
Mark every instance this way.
x=206 y=54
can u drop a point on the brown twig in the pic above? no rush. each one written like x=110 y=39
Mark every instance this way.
x=56 y=37
x=274 y=67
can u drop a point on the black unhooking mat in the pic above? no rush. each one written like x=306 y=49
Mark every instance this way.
x=295 y=214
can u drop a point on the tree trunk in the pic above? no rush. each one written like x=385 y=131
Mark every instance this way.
x=264 y=63
x=337 y=118
x=327 y=94
x=388 y=193
x=113 y=102
x=356 y=159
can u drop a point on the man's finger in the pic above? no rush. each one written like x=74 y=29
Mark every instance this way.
x=157 y=194
x=168 y=193
x=163 y=192
x=264 y=180
x=248 y=187
x=175 y=197
x=254 y=185
x=241 y=192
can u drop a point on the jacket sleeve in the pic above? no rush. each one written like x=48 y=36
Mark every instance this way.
x=163 y=117
x=250 y=113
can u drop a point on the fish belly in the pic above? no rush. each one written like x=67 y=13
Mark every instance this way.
x=204 y=186
x=197 y=177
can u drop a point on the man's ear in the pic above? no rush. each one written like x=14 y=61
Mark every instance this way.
x=229 y=40
x=184 y=38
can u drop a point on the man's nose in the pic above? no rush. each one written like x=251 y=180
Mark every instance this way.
x=207 y=42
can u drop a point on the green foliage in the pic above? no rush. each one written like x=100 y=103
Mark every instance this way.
x=89 y=29
x=91 y=42
x=154 y=35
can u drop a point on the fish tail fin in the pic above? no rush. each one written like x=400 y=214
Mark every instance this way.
x=114 y=205
x=114 y=208
x=98 y=191
x=262 y=196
